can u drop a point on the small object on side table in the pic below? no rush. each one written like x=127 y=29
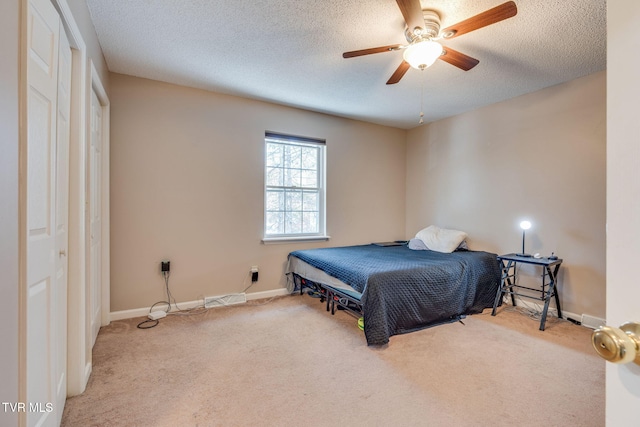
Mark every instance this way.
x=553 y=257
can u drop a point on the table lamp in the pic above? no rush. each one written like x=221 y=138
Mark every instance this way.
x=525 y=225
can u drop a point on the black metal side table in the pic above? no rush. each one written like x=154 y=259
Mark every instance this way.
x=548 y=289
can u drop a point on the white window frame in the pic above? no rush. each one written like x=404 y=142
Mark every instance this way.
x=272 y=137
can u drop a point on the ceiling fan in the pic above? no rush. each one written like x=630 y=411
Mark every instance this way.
x=423 y=32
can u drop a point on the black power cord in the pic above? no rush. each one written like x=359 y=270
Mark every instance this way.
x=152 y=323
x=144 y=322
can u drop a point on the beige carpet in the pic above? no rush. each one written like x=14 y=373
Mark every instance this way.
x=290 y=363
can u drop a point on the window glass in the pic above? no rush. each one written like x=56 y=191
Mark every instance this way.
x=294 y=186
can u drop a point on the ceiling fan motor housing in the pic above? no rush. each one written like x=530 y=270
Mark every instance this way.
x=431 y=28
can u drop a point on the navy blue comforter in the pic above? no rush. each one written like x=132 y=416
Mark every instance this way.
x=405 y=290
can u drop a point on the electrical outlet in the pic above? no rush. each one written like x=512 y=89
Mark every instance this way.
x=254 y=273
x=165 y=266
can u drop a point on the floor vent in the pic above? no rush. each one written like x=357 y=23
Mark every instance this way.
x=223 y=300
x=592 y=322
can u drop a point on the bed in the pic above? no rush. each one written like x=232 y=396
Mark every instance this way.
x=397 y=289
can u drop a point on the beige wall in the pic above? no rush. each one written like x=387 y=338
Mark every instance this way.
x=9 y=34
x=187 y=185
x=539 y=156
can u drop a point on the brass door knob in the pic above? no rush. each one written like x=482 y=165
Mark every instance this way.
x=618 y=345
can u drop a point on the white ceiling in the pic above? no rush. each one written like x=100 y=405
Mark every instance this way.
x=290 y=51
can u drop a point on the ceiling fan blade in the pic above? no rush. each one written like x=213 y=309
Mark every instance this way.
x=460 y=60
x=488 y=17
x=371 y=50
x=412 y=13
x=399 y=73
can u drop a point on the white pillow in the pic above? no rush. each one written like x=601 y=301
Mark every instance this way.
x=440 y=239
x=417 y=245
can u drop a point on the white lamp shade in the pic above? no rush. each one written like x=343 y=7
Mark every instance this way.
x=422 y=54
x=525 y=225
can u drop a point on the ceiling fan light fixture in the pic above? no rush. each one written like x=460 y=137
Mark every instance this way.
x=422 y=54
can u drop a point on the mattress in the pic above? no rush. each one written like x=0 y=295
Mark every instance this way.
x=404 y=290
x=309 y=272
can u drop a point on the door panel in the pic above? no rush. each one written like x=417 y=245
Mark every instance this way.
x=623 y=196
x=62 y=220
x=39 y=380
x=43 y=26
x=40 y=131
x=95 y=217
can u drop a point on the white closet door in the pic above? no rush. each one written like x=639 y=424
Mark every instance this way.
x=95 y=218
x=62 y=220
x=43 y=29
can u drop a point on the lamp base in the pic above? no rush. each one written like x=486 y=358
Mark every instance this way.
x=524 y=255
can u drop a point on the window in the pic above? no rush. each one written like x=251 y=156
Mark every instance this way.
x=294 y=188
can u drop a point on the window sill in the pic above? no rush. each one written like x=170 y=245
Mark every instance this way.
x=298 y=239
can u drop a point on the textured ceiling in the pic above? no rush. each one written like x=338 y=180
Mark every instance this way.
x=290 y=52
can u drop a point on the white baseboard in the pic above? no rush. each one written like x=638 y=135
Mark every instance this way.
x=585 y=319
x=141 y=312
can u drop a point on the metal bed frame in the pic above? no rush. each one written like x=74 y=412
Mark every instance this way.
x=334 y=298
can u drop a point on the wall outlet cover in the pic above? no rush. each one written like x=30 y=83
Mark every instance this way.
x=592 y=322
x=223 y=300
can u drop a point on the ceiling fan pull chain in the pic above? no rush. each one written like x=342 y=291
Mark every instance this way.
x=421 y=121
